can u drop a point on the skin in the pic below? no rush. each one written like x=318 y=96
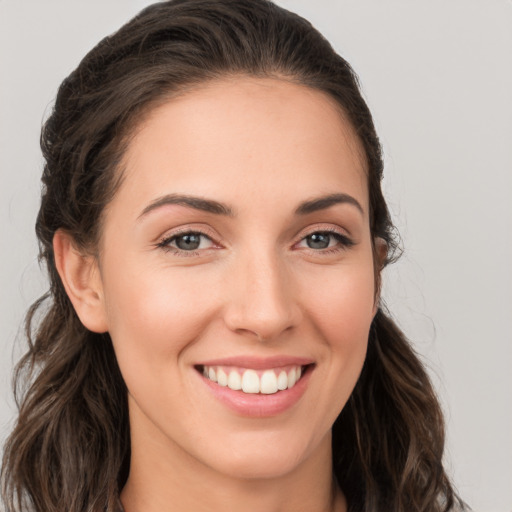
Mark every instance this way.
x=253 y=287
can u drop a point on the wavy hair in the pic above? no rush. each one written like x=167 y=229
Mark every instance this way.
x=70 y=448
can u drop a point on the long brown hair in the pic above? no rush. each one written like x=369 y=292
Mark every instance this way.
x=70 y=449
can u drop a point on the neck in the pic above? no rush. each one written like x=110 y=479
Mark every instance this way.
x=164 y=478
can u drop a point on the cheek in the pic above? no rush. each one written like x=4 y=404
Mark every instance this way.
x=154 y=315
x=343 y=304
x=342 y=313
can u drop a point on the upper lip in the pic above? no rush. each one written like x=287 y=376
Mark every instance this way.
x=258 y=363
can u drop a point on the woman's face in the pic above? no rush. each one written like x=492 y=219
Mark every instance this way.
x=238 y=246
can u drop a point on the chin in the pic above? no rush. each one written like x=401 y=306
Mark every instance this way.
x=271 y=458
x=260 y=466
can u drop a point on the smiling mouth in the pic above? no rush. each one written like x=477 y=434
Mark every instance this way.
x=248 y=380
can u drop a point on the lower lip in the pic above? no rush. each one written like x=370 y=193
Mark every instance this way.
x=257 y=405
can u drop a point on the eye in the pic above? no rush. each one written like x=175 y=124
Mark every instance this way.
x=187 y=242
x=321 y=240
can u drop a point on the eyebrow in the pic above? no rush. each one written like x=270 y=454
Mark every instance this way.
x=321 y=203
x=217 y=208
x=198 y=203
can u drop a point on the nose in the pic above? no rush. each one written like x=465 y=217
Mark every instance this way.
x=263 y=302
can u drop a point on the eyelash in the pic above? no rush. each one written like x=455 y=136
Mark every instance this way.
x=165 y=243
x=344 y=242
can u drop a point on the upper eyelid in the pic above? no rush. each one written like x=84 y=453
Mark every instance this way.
x=180 y=231
x=343 y=240
x=323 y=228
x=178 y=235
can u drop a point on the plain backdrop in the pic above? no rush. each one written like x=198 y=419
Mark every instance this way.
x=437 y=75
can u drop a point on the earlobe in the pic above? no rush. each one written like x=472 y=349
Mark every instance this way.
x=81 y=278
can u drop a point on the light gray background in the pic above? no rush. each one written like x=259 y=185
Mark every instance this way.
x=438 y=77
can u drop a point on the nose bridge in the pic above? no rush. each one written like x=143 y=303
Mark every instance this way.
x=263 y=302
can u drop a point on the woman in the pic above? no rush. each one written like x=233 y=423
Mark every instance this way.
x=214 y=229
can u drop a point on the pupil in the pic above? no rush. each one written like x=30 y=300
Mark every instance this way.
x=188 y=242
x=318 y=241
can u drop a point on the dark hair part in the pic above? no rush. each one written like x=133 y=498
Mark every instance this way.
x=70 y=448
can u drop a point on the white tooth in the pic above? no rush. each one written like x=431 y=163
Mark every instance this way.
x=282 y=381
x=298 y=373
x=211 y=375
x=205 y=371
x=292 y=378
x=222 y=378
x=234 y=380
x=268 y=382
x=250 y=382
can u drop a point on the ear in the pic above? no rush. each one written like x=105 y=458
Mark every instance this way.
x=380 y=253
x=81 y=278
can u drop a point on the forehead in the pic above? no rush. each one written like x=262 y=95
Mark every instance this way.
x=239 y=134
